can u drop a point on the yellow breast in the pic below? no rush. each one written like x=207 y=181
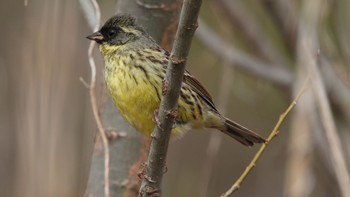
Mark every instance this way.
x=135 y=98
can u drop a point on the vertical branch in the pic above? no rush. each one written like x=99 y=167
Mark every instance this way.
x=151 y=183
x=299 y=173
x=338 y=157
x=308 y=43
x=92 y=86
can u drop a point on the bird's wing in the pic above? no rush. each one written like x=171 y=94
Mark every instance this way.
x=199 y=89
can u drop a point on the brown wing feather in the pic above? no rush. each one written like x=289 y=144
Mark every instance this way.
x=199 y=89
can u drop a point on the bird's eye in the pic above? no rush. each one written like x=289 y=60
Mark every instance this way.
x=112 y=32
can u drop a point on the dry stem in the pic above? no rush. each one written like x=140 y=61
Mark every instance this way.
x=273 y=133
x=92 y=88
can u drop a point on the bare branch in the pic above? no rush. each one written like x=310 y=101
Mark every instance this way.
x=93 y=15
x=308 y=45
x=333 y=138
x=273 y=134
x=273 y=73
x=151 y=184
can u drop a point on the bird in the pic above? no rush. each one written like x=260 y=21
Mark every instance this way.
x=135 y=66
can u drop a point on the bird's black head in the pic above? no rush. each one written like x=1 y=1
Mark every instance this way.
x=118 y=30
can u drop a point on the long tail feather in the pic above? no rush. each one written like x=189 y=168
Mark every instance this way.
x=241 y=134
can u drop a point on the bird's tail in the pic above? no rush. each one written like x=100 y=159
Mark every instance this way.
x=241 y=134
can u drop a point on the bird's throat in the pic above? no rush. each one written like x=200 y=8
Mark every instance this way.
x=110 y=50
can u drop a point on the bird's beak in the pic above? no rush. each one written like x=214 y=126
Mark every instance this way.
x=97 y=36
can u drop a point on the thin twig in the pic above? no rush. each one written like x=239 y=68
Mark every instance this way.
x=154 y=169
x=86 y=84
x=273 y=134
x=92 y=88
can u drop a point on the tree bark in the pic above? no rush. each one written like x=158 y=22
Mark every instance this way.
x=127 y=155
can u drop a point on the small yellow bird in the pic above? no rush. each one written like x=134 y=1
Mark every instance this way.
x=135 y=66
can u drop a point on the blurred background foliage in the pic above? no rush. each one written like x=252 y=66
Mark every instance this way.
x=47 y=129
